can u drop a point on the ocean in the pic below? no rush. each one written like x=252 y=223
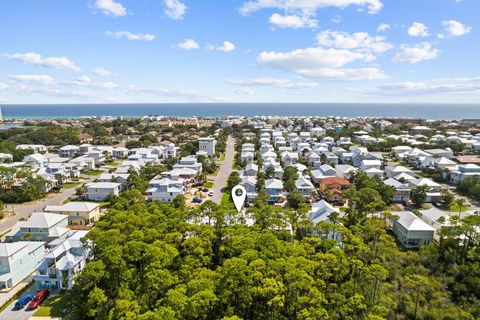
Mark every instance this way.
x=427 y=111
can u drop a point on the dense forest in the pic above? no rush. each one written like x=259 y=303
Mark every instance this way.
x=155 y=261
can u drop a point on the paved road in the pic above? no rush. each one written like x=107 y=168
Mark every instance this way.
x=225 y=170
x=25 y=210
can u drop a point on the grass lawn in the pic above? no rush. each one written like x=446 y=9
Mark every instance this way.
x=222 y=158
x=113 y=163
x=70 y=185
x=208 y=184
x=94 y=173
x=225 y=199
x=51 y=308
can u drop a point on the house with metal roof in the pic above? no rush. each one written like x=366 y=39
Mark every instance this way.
x=41 y=226
x=411 y=231
x=17 y=261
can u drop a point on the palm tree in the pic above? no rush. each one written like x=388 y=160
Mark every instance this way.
x=461 y=205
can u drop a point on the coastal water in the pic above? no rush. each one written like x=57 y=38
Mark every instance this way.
x=427 y=111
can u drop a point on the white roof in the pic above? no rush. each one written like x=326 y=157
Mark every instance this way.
x=74 y=206
x=411 y=222
x=8 y=249
x=303 y=182
x=273 y=184
x=43 y=220
x=424 y=182
x=103 y=185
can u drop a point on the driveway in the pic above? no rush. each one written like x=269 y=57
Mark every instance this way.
x=224 y=171
x=23 y=211
x=23 y=314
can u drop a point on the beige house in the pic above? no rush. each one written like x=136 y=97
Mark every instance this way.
x=79 y=213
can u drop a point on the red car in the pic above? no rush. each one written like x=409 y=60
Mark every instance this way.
x=38 y=299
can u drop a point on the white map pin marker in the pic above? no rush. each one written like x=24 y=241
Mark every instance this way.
x=239 y=193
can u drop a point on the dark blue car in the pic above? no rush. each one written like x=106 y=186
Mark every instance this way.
x=23 y=301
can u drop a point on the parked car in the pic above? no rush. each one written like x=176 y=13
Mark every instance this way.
x=38 y=299
x=210 y=194
x=196 y=200
x=22 y=302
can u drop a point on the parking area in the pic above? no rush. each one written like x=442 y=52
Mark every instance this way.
x=9 y=313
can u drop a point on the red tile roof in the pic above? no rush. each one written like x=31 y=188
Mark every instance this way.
x=333 y=180
x=468 y=159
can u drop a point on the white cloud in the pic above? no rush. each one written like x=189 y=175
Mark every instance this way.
x=420 y=52
x=308 y=7
x=110 y=8
x=3 y=86
x=107 y=85
x=436 y=86
x=130 y=35
x=382 y=27
x=320 y=63
x=102 y=72
x=418 y=29
x=359 y=40
x=243 y=92
x=34 y=78
x=292 y=21
x=273 y=82
x=175 y=9
x=84 y=79
x=455 y=28
x=226 y=47
x=36 y=59
x=189 y=44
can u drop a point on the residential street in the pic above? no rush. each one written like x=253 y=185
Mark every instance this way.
x=25 y=210
x=225 y=170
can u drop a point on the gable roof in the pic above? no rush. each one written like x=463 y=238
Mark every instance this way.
x=74 y=206
x=411 y=222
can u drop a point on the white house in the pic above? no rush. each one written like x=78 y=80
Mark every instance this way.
x=392 y=171
x=79 y=213
x=37 y=159
x=304 y=186
x=100 y=191
x=189 y=162
x=40 y=226
x=411 y=231
x=208 y=145
x=17 y=261
x=274 y=189
x=65 y=259
x=164 y=190
x=68 y=151
x=434 y=190
x=402 y=190
x=464 y=171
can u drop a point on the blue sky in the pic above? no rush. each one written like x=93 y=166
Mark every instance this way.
x=85 y=51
